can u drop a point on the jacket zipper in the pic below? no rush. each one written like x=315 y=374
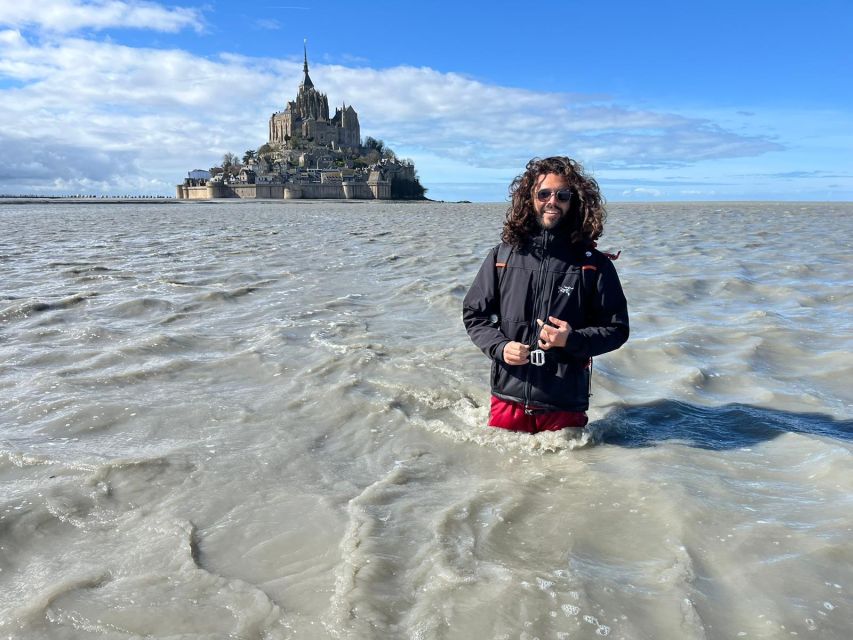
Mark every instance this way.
x=537 y=304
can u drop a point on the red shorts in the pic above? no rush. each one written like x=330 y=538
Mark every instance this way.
x=511 y=415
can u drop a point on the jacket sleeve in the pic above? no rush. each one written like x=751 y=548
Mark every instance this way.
x=481 y=303
x=607 y=317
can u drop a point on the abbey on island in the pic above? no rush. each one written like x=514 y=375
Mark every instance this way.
x=309 y=155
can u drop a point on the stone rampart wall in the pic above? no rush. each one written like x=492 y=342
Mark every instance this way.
x=311 y=191
x=193 y=193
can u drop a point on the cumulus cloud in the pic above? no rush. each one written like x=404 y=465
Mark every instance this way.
x=65 y=16
x=40 y=164
x=103 y=115
x=106 y=115
x=489 y=125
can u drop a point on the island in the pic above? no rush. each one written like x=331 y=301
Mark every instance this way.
x=309 y=155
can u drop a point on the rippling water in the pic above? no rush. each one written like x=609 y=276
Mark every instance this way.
x=265 y=420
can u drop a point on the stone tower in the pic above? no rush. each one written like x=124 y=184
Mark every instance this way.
x=307 y=117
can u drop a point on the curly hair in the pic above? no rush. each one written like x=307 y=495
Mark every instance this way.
x=586 y=214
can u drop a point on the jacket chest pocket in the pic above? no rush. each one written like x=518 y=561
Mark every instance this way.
x=566 y=294
x=516 y=291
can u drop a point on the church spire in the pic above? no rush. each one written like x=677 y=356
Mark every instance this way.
x=305 y=49
x=306 y=81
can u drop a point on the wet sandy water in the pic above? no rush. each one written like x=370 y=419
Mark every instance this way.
x=265 y=420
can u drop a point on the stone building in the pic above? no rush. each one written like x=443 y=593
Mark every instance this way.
x=310 y=155
x=307 y=118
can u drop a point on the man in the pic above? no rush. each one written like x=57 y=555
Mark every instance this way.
x=546 y=301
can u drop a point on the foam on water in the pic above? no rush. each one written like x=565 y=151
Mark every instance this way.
x=265 y=420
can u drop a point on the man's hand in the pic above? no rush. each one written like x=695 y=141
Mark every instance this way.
x=554 y=333
x=516 y=353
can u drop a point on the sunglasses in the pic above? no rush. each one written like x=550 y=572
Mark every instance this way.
x=563 y=195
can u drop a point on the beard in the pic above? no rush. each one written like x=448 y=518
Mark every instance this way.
x=549 y=221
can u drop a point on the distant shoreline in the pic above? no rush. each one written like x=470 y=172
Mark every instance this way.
x=11 y=200
x=73 y=200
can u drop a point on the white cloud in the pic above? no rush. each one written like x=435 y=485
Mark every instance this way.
x=490 y=126
x=104 y=116
x=66 y=16
x=643 y=191
x=697 y=192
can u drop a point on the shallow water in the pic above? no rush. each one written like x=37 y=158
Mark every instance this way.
x=265 y=420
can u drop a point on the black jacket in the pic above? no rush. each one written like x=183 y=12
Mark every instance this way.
x=547 y=277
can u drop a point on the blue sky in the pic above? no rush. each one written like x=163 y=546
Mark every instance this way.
x=660 y=100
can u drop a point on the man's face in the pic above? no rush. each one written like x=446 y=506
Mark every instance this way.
x=552 y=211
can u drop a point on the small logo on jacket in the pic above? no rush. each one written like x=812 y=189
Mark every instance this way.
x=566 y=289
